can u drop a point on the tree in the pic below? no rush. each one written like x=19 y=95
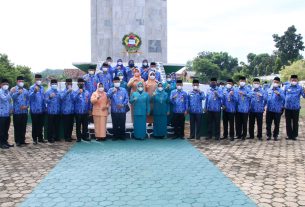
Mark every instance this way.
x=289 y=45
x=296 y=68
x=205 y=69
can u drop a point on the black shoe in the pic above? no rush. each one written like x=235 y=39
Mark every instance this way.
x=250 y=138
x=217 y=138
x=78 y=140
x=4 y=146
x=25 y=143
x=197 y=138
x=238 y=137
x=275 y=139
x=87 y=139
x=42 y=141
x=268 y=138
x=232 y=139
x=35 y=142
x=224 y=137
x=192 y=138
x=68 y=140
x=9 y=145
x=18 y=144
x=243 y=138
x=260 y=139
x=294 y=139
x=208 y=138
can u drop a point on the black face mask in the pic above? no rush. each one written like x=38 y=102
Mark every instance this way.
x=80 y=86
x=131 y=65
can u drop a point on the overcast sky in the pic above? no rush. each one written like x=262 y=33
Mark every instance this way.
x=54 y=33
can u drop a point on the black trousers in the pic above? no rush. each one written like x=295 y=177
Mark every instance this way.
x=228 y=122
x=292 y=123
x=68 y=122
x=270 y=117
x=53 y=127
x=241 y=124
x=118 y=124
x=37 y=126
x=81 y=126
x=195 y=121
x=20 y=122
x=213 y=123
x=178 y=122
x=259 y=120
x=4 y=127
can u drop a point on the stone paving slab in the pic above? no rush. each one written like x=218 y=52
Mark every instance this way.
x=136 y=173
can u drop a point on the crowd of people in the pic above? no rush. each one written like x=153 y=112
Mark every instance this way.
x=119 y=89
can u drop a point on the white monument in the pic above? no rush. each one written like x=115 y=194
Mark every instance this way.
x=143 y=23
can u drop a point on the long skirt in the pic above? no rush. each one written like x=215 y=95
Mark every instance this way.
x=160 y=125
x=139 y=126
x=100 y=126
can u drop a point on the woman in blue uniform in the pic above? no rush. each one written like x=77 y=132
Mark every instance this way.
x=140 y=101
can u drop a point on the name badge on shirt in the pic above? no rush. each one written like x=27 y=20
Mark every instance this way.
x=121 y=97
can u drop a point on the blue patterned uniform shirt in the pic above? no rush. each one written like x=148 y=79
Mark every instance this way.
x=5 y=103
x=292 y=96
x=213 y=100
x=37 y=103
x=105 y=79
x=120 y=97
x=258 y=100
x=67 y=102
x=20 y=100
x=52 y=103
x=180 y=103
x=229 y=101
x=81 y=102
x=243 y=100
x=275 y=103
x=195 y=99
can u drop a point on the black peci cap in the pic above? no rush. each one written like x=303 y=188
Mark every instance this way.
x=68 y=80
x=20 y=78
x=4 y=80
x=53 y=81
x=230 y=80
x=179 y=81
x=195 y=81
x=213 y=79
x=38 y=76
x=277 y=79
x=116 y=79
x=80 y=80
x=256 y=80
x=242 y=78
x=294 y=76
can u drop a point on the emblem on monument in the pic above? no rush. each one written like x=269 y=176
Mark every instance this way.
x=132 y=43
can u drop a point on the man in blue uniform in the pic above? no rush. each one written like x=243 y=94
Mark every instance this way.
x=52 y=100
x=195 y=99
x=91 y=80
x=67 y=110
x=144 y=70
x=105 y=77
x=81 y=98
x=110 y=69
x=229 y=103
x=37 y=109
x=258 y=102
x=153 y=68
x=119 y=68
x=179 y=100
x=129 y=70
x=119 y=102
x=20 y=97
x=5 y=111
x=213 y=108
x=293 y=92
x=243 y=106
x=275 y=106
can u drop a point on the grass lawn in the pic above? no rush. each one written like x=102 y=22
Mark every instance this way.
x=302 y=112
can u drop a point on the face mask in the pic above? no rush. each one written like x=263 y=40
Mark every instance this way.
x=255 y=85
x=294 y=83
x=38 y=82
x=145 y=64
x=242 y=84
x=116 y=85
x=229 y=86
x=5 y=87
x=120 y=63
x=140 y=89
x=69 y=86
x=80 y=86
x=131 y=65
x=195 y=88
x=137 y=74
x=179 y=87
x=213 y=85
x=168 y=80
x=160 y=88
x=54 y=87
x=105 y=69
x=101 y=89
x=91 y=72
x=21 y=84
x=152 y=77
x=121 y=77
x=275 y=85
x=153 y=69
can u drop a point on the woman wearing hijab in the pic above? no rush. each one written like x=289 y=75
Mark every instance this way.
x=100 y=104
x=150 y=88
x=160 y=112
x=141 y=103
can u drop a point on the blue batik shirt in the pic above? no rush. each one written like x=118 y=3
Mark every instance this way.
x=5 y=103
x=81 y=102
x=120 y=97
x=292 y=96
x=195 y=99
x=275 y=103
x=105 y=79
x=213 y=100
x=37 y=103
x=243 y=100
x=67 y=102
x=144 y=74
x=229 y=101
x=258 y=100
x=91 y=83
x=129 y=73
x=52 y=103
x=20 y=100
x=180 y=103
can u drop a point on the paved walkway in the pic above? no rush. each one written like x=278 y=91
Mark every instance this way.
x=136 y=173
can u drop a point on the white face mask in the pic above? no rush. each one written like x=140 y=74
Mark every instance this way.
x=120 y=63
x=294 y=83
x=105 y=69
x=121 y=77
x=242 y=84
x=152 y=77
x=91 y=72
x=145 y=64
x=168 y=80
x=275 y=85
x=229 y=86
x=69 y=87
x=160 y=88
x=179 y=87
x=101 y=89
x=255 y=85
x=140 y=89
x=21 y=84
x=116 y=85
x=54 y=87
x=38 y=82
x=195 y=88
x=5 y=87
